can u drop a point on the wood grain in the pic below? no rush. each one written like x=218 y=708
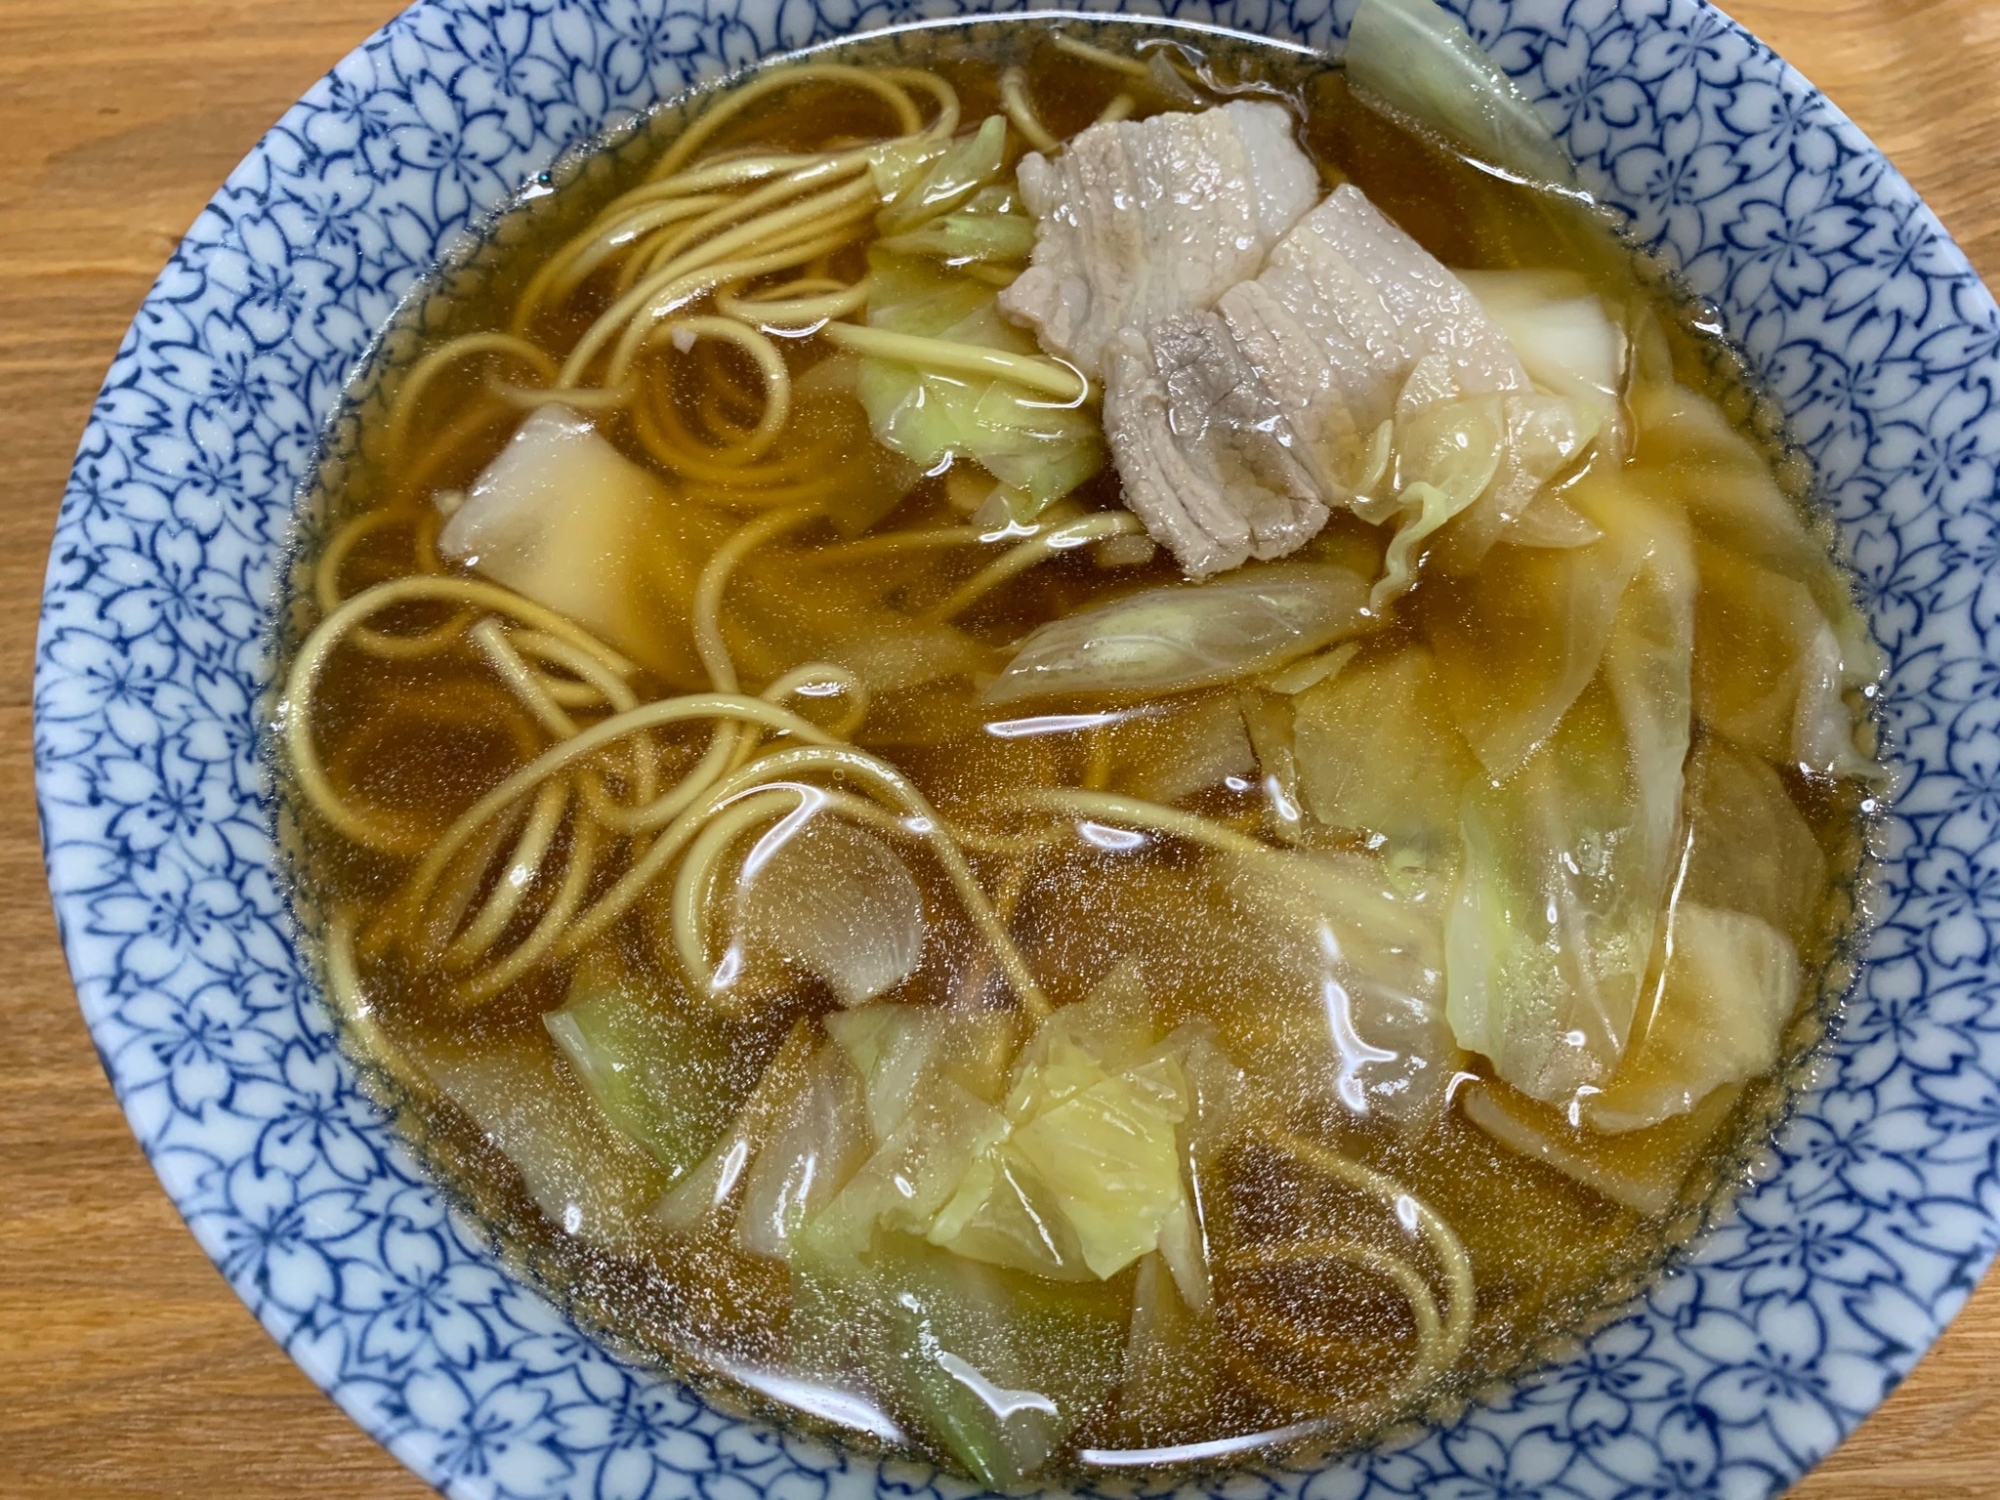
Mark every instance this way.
x=127 y=1367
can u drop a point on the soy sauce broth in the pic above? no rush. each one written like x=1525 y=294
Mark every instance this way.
x=427 y=738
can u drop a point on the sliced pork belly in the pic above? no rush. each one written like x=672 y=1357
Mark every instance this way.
x=1249 y=351
x=1140 y=220
x=1237 y=431
x=1206 y=458
x=1341 y=316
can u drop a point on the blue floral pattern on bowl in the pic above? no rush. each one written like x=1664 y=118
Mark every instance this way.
x=1878 y=1209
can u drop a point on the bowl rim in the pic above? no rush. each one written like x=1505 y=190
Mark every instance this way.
x=144 y=642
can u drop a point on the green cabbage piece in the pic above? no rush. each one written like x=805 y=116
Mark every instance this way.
x=894 y=164
x=1519 y=640
x=1566 y=340
x=585 y=1177
x=1094 y=1146
x=1771 y=671
x=1038 y=448
x=989 y=227
x=664 y=1073
x=1566 y=862
x=1413 y=57
x=1738 y=504
x=969 y=165
x=1355 y=1018
x=1377 y=753
x=1749 y=847
x=1181 y=636
x=988 y=1366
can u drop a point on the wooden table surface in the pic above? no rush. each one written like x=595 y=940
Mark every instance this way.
x=127 y=1367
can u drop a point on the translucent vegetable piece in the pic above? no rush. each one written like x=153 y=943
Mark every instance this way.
x=1082 y=1169
x=967 y=236
x=1729 y=984
x=1378 y=753
x=1750 y=849
x=1421 y=62
x=1520 y=639
x=1567 y=341
x=1542 y=434
x=1769 y=668
x=1643 y=1169
x=1040 y=449
x=818 y=1141
x=1689 y=454
x=1356 y=1022
x=708 y=1191
x=564 y=518
x=988 y=1366
x=894 y=164
x=1169 y=1368
x=1198 y=745
x=929 y=1126
x=588 y=1180
x=1179 y=636
x=832 y=899
x=1108 y=1156
x=1567 y=862
x=950 y=180
x=666 y=1074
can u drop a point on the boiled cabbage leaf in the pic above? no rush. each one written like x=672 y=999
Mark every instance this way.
x=1567 y=861
x=832 y=899
x=949 y=180
x=1039 y=449
x=989 y=227
x=1079 y=1170
x=1094 y=1141
x=1519 y=640
x=1749 y=848
x=1169 y=1367
x=708 y=1192
x=1414 y=57
x=665 y=1073
x=1360 y=1026
x=1643 y=1170
x=1689 y=454
x=1770 y=669
x=1181 y=636
x=1715 y=1017
x=588 y=1179
x=1377 y=753
x=818 y=1139
x=929 y=1128
x=1473 y=467
x=1565 y=339
x=563 y=518
x=988 y=1366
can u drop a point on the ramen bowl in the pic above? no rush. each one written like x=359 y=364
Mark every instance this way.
x=1863 y=1228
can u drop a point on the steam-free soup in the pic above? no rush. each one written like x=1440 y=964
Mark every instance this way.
x=1070 y=748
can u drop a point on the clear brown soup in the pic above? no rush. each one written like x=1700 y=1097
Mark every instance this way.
x=1310 y=1347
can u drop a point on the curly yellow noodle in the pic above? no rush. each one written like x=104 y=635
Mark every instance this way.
x=1048 y=377
x=524 y=863
x=1014 y=99
x=296 y=706
x=884 y=85
x=1019 y=559
x=413 y=384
